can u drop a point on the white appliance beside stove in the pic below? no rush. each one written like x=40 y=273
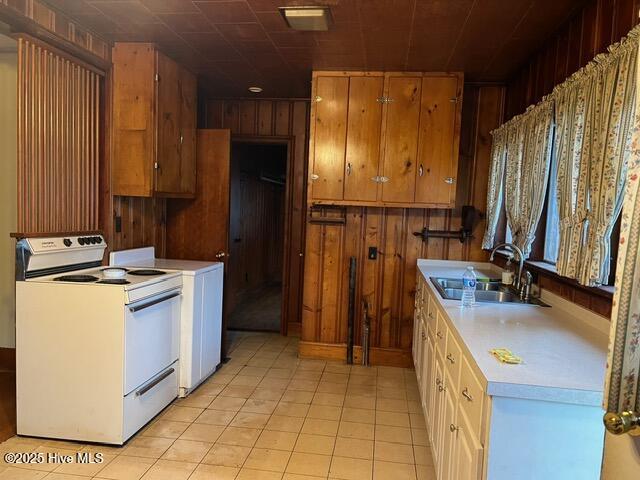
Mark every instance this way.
x=201 y=319
x=97 y=351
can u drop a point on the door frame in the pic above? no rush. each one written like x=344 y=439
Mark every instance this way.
x=289 y=142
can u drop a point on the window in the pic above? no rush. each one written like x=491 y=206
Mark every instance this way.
x=552 y=234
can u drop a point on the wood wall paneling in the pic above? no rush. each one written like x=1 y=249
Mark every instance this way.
x=387 y=284
x=596 y=26
x=142 y=222
x=59 y=128
x=276 y=120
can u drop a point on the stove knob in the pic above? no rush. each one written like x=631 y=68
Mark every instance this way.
x=99 y=239
x=81 y=241
x=92 y=240
x=67 y=242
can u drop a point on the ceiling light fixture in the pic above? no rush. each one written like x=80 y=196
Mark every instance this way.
x=316 y=19
x=255 y=89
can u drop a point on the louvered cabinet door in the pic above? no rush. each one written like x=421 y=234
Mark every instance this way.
x=439 y=140
x=329 y=132
x=363 y=138
x=401 y=123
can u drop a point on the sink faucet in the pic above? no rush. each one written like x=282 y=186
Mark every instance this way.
x=517 y=250
x=525 y=287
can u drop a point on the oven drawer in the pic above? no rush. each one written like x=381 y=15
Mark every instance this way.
x=152 y=337
x=146 y=402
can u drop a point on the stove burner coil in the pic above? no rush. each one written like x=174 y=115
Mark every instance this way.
x=146 y=272
x=76 y=278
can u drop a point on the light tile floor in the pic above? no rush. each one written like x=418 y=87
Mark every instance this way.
x=266 y=415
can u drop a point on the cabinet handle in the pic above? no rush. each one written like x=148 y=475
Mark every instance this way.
x=449 y=180
x=423 y=336
x=318 y=98
x=450 y=358
x=349 y=168
x=453 y=428
x=441 y=388
x=381 y=99
x=384 y=179
x=181 y=139
x=314 y=176
x=465 y=394
x=438 y=381
x=420 y=170
x=439 y=335
x=431 y=315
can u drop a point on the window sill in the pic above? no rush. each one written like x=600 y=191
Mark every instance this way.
x=550 y=271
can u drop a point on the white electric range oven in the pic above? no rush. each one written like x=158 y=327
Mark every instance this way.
x=97 y=348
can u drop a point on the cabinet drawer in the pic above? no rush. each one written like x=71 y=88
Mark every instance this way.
x=452 y=360
x=471 y=397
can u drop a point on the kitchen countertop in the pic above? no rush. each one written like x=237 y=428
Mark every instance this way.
x=564 y=348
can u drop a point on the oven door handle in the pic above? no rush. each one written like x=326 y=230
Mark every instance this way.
x=154 y=382
x=137 y=308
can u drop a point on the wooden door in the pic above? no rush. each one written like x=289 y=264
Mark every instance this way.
x=439 y=140
x=363 y=138
x=427 y=384
x=329 y=132
x=188 y=113
x=199 y=229
x=401 y=124
x=168 y=135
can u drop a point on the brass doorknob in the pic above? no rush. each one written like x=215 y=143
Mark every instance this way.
x=220 y=255
x=625 y=422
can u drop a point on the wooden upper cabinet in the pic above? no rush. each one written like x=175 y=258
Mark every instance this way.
x=154 y=121
x=364 y=122
x=329 y=133
x=385 y=139
x=402 y=118
x=439 y=140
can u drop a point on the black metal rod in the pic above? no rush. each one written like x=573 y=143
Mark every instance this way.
x=352 y=308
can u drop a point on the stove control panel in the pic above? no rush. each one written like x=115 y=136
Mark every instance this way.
x=80 y=242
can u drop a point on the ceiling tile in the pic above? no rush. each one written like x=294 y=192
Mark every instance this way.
x=235 y=32
x=170 y=6
x=227 y=12
x=186 y=22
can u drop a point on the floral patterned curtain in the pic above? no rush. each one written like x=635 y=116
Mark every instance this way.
x=495 y=188
x=622 y=389
x=527 y=169
x=607 y=143
x=570 y=99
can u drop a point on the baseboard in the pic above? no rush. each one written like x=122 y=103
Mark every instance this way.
x=294 y=329
x=7 y=359
x=390 y=357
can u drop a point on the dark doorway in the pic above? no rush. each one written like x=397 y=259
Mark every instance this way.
x=256 y=236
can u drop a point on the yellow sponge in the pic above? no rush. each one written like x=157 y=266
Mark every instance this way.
x=505 y=355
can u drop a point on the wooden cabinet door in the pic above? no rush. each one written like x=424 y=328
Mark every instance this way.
x=188 y=114
x=168 y=135
x=437 y=402
x=427 y=385
x=468 y=458
x=448 y=445
x=402 y=119
x=363 y=138
x=329 y=132
x=439 y=140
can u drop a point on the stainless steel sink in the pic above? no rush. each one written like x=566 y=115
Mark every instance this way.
x=486 y=292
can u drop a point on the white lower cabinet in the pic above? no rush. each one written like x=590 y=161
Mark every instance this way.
x=446 y=381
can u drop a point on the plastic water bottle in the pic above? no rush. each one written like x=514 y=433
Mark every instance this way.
x=468 y=288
